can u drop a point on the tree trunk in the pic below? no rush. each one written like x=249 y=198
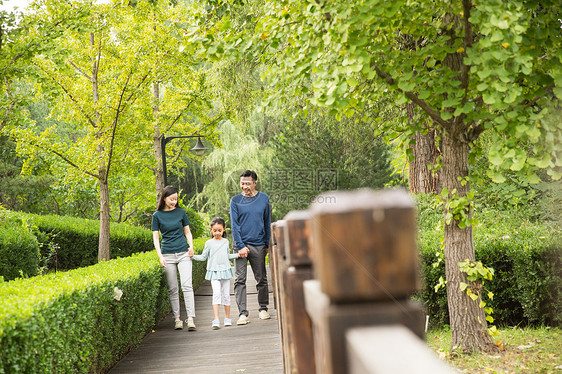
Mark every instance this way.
x=467 y=319
x=159 y=171
x=104 y=253
x=423 y=179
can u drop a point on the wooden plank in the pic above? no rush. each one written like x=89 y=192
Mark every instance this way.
x=277 y=239
x=280 y=266
x=391 y=349
x=298 y=238
x=368 y=239
x=299 y=324
x=237 y=349
x=331 y=321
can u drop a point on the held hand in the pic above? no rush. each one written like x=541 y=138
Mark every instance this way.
x=162 y=261
x=243 y=252
x=190 y=253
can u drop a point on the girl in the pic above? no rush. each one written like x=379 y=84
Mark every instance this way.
x=219 y=270
x=177 y=247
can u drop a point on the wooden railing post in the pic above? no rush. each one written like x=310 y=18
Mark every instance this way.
x=366 y=267
x=298 y=259
x=278 y=266
x=291 y=265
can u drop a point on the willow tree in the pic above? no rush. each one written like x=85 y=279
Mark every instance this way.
x=474 y=67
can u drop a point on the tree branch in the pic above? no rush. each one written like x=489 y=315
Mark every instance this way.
x=178 y=117
x=80 y=70
x=468 y=35
x=63 y=157
x=90 y=120
x=415 y=99
x=116 y=121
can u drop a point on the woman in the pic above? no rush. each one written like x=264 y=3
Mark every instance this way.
x=175 y=253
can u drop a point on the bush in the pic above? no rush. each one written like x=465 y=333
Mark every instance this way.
x=196 y=225
x=71 y=322
x=19 y=251
x=199 y=268
x=77 y=239
x=526 y=258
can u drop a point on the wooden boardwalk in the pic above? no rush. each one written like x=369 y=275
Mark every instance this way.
x=253 y=348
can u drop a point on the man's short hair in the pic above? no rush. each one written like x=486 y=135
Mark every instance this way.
x=249 y=173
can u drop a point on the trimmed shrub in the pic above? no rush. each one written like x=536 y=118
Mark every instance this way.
x=196 y=224
x=199 y=268
x=19 y=252
x=72 y=321
x=77 y=239
x=526 y=258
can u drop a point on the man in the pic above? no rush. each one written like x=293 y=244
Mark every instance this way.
x=250 y=217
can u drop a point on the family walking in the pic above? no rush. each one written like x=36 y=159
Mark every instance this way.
x=250 y=217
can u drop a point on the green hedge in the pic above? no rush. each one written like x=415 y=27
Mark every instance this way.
x=526 y=258
x=70 y=322
x=77 y=239
x=199 y=268
x=19 y=252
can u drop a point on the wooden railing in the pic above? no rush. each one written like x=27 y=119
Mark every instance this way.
x=343 y=272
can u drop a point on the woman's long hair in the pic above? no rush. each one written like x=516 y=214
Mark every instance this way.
x=167 y=191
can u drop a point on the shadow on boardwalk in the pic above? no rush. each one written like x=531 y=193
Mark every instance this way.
x=249 y=349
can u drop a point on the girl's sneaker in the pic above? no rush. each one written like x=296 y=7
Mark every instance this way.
x=227 y=322
x=216 y=324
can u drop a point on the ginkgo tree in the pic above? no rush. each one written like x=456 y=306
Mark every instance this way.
x=99 y=78
x=468 y=66
x=93 y=78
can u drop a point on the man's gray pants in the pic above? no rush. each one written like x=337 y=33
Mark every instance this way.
x=256 y=257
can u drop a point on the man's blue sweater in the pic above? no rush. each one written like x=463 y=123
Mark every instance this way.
x=250 y=218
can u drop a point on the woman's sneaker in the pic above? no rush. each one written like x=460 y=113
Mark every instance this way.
x=227 y=322
x=243 y=320
x=178 y=325
x=216 y=324
x=190 y=324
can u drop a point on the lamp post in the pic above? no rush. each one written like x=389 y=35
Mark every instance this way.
x=199 y=150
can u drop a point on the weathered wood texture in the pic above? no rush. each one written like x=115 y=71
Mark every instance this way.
x=254 y=348
x=331 y=321
x=366 y=245
x=279 y=266
x=299 y=325
x=373 y=350
x=298 y=339
x=298 y=236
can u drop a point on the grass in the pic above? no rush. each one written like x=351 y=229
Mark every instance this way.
x=524 y=350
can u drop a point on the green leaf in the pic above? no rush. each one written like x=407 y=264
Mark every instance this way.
x=463 y=286
x=495 y=176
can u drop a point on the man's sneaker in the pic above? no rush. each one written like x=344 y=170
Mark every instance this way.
x=264 y=314
x=190 y=324
x=243 y=320
x=227 y=322
x=179 y=325
x=216 y=324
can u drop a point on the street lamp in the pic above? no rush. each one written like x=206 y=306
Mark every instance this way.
x=199 y=151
